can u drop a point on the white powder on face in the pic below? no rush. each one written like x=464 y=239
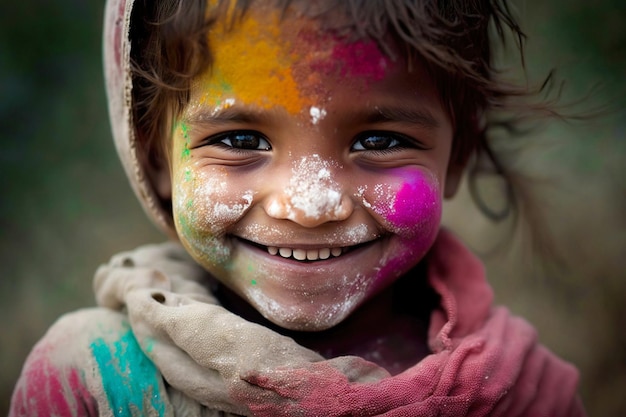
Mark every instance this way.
x=275 y=209
x=216 y=205
x=312 y=190
x=229 y=102
x=360 y=193
x=232 y=213
x=328 y=311
x=359 y=233
x=198 y=105
x=317 y=114
x=205 y=207
x=380 y=198
x=266 y=234
x=351 y=235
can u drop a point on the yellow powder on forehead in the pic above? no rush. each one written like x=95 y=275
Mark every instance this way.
x=252 y=63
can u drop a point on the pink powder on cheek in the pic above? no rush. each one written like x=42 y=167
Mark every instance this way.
x=417 y=205
x=414 y=216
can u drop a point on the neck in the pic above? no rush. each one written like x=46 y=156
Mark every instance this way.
x=377 y=332
x=390 y=329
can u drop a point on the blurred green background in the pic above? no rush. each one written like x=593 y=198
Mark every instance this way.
x=65 y=206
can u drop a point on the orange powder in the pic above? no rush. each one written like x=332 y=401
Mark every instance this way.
x=252 y=63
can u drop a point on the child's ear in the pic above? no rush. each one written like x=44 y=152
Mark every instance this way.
x=453 y=178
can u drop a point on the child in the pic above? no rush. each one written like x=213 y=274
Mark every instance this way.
x=299 y=152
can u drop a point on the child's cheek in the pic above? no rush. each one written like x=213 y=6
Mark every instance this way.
x=410 y=205
x=205 y=206
x=417 y=207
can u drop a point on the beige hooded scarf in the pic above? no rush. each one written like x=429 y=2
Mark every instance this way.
x=159 y=344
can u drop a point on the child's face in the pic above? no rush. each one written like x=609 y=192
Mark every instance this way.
x=307 y=170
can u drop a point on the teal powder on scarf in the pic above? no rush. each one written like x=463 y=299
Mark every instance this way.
x=129 y=378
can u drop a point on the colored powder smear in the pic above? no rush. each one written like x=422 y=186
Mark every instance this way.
x=415 y=215
x=417 y=204
x=361 y=59
x=311 y=189
x=51 y=391
x=186 y=152
x=129 y=378
x=267 y=61
x=253 y=62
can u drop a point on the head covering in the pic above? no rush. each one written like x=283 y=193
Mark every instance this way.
x=119 y=87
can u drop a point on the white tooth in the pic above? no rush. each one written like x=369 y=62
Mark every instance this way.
x=273 y=250
x=312 y=254
x=285 y=252
x=324 y=253
x=299 y=254
x=335 y=251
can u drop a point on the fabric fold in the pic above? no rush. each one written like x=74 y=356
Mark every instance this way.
x=484 y=361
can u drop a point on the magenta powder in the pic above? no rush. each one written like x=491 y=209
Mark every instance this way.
x=52 y=390
x=361 y=59
x=415 y=216
x=416 y=203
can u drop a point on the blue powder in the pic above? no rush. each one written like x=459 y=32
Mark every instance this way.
x=129 y=378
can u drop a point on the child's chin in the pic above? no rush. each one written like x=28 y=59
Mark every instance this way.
x=306 y=324
x=309 y=317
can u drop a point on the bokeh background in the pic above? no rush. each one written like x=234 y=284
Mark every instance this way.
x=65 y=206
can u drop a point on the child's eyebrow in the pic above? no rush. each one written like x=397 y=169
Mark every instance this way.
x=222 y=116
x=379 y=114
x=421 y=117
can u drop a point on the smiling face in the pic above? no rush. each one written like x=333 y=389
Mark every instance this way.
x=307 y=170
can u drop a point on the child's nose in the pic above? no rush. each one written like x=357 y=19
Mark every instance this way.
x=309 y=208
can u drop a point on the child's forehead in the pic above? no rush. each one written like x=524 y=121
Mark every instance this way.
x=269 y=55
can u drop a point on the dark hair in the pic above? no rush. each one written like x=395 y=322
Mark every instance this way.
x=455 y=38
x=168 y=49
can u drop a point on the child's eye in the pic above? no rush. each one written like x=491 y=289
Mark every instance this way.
x=241 y=140
x=383 y=141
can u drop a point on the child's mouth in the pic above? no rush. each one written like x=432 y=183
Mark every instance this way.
x=306 y=255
